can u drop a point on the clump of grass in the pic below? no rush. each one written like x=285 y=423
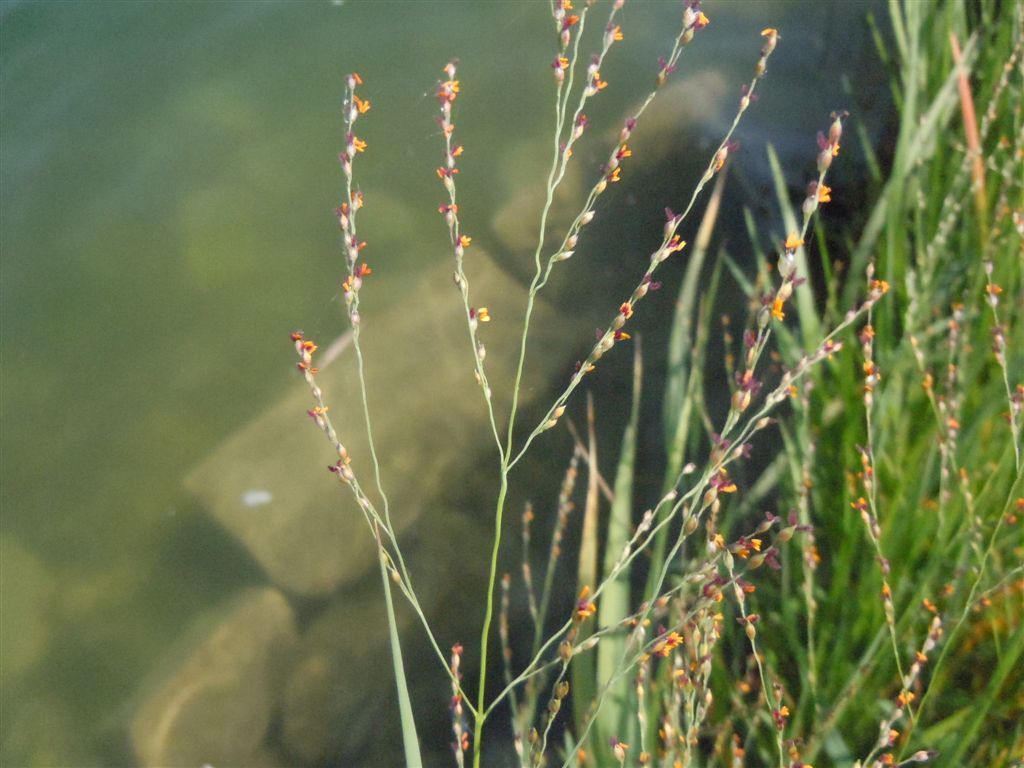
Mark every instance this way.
x=897 y=489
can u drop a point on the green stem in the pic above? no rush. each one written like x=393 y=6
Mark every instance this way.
x=481 y=713
x=410 y=740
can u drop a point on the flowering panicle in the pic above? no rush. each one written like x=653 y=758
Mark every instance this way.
x=749 y=547
x=828 y=147
x=306 y=348
x=611 y=171
x=1015 y=397
x=868 y=504
x=355 y=106
x=692 y=675
x=872 y=373
x=671 y=241
x=817 y=194
x=694 y=20
x=577 y=124
x=447 y=92
x=461 y=743
x=566 y=20
x=888 y=734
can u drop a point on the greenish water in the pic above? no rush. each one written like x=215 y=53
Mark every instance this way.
x=168 y=181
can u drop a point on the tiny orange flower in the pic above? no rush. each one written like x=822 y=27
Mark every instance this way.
x=584 y=608
x=355 y=76
x=702 y=21
x=363 y=270
x=363 y=105
x=457 y=152
x=619 y=749
x=465 y=240
x=484 y=315
x=626 y=310
x=614 y=176
x=669 y=642
x=793 y=241
x=777 y=311
x=904 y=698
x=617 y=33
x=769 y=31
x=359 y=144
x=723 y=482
x=824 y=194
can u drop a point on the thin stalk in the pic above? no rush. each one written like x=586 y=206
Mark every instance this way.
x=480 y=715
x=410 y=739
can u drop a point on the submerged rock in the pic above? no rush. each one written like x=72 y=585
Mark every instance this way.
x=339 y=702
x=428 y=414
x=216 y=706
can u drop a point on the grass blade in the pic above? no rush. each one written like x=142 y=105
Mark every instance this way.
x=583 y=670
x=410 y=740
x=615 y=602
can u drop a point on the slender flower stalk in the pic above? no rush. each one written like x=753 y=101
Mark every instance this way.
x=447 y=92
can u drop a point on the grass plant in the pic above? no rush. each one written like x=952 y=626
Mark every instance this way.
x=879 y=365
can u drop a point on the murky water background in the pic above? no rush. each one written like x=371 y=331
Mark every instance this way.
x=168 y=181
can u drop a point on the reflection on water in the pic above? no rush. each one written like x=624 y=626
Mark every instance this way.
x=168 y=181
